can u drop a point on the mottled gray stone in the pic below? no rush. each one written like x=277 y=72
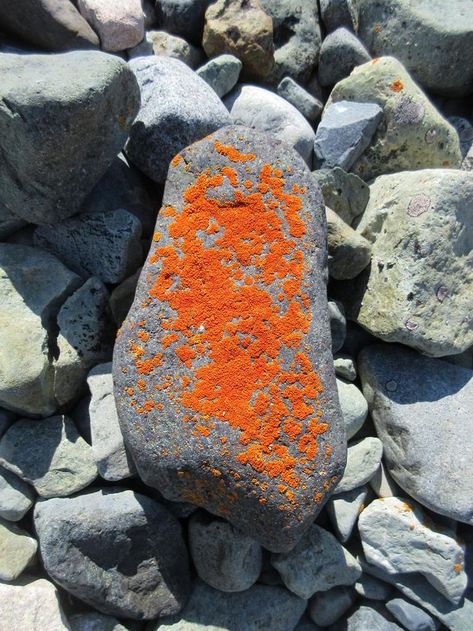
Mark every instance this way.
x=325 y=608
x=16 y=497
x=221 y=73
x=164 y=44
x=467 y=164
x=365 y=618
x=348 y=252
x=363 y=460
x=411 y=617
x=345 y=193
x=338 y=324
x=345 y=367
x=95 y=622
x=118 y=551
x=372 y=588
x=341 y=51
x=344 y=510
x=183 y=17
x=354 y=406
x=17 y=550
x=9 y=223
x=308 y=105
x=336 y=13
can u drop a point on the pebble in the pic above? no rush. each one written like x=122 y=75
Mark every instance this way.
x=337 y=13
x=341 y=51
x=372 y=588
x=17 y=550
x=354 y=407
x=165 y=45
x=344 y=510
x=325 y=608
x=345 y=193
x=363 y=460
x=338 y=325
x=345 y=367
x=411 y=617
x=119 y=24
x=296 y=95
x=16 y=497
x=95 y=622
x=348 y=252
x=183 y=17
x=221 y=73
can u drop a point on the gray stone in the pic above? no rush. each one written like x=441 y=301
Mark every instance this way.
x=465 y=133
x=344 y=367
x=336 y=13
x=183 y=17
x=221 y=73
x=265 y=111
x=122 y=297
x=317 y=563
x=372 y=588
x=177 y=108
x=354 y=407
x=308 y=105
x=363 y=460
x=344 y=510
x=348 y=252
x=467 y=164
x=224 y=558
x=116 y=550
x=341 y=51
x=345 y=131
x=365 y=618
x=17 y=550
x=411 y=617
x=338 y=324
x=325 y=608
x=64 y=118
x=6 y=419
x=202 y=446
x=383 y=484
x=9 y=223
x=119 y=24
x=166 y=45
x=433 y=461
x=16 y=497
x=95 y=622
x=345 y=193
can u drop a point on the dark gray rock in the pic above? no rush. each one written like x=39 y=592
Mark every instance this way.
x=183 y=17
x=363 y=460
x=122 y=297
x=118 y=551
x=16 y=497
x=338 y=324
x=94 y=622
x=325 y=608
x=341 y=51
x=345 y=193
x=6 y=419
x=411 y=617
x=9 y=223
x=221 y=73
x=336 y=13
x=366 y=617
x=197 y=440
x=64 y=118
x=465 y=133
x=372 y=588
x=348 y=252
x=308 y=105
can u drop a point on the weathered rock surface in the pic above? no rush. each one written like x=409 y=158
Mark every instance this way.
x=345 y=193
x=191 y=396
x=363 y=460
x=348 y=252
x=119 y=24
x=221 y=73
x=16 y=497
x=17 y=550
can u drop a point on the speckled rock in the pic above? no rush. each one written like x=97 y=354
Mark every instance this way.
x=325 y=608
x=221 y=73
x=411 y=617
x=345 y=193
x=363 y=460
x=308 y=105
x=341 y=51
x=166 y=45
x=197 y=440
x=17 y=550
x=337 y=13
x=16 y=497
x=119 y=24
x=344 y=510
x=348 y=252
x=354 y=407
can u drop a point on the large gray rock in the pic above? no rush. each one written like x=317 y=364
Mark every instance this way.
x=119 y=24
x=198 y=439
x=363 y=460
x=63 y=120
x=345 y=193
x=348 y=252
x=221 y=73
x=341 y=51
x=17 y=548
x=177 y=108
x=16 y=497
x=433 y=461
x=118 y=551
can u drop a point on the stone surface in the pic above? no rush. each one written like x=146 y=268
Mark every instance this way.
x=337 y=13
x=465 y=133
x=345 y=193
x=203 y=446
x=341 y=51
x=95 y=622
x=122 y=297
x=118 y=551
x=354 y=407
x=64 y=118
x=325 y=608
x=318 y=563
x=169 y=119
x=308 y=105
x=383 y=484
x=430 y=461
x=165 y=45
x=265 y=111
x=16 y=497
x=411 y=617
x=467 y=164
x=366 y=617
x=9 y=223
x=372 y=588
x=119 y=24
x=338 y=324
x=344 y=509
x=221 y=73
x=363 y=460
x=17 y=550
x=413 y=134
x=183 y=17
x=348 y=252
x=224 y=558
x=345 y=367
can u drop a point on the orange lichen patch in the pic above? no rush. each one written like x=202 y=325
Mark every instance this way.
x=396 y=86
x=169 y=339
x=141 y=383
x=375 y=61
x=458 y=567
x=146 y=366
x=143 y=335
x=377 y=28
x=175 y=161
x=130 y=392
x=156 y=236
x=232 y=154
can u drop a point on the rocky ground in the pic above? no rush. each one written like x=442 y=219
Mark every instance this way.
x=192 y=435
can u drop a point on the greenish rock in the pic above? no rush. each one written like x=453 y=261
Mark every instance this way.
x=17 y=550
x=166 y=45
x=363 y=460
x=345 y=193
x=308 y=105
x=221 y=73
x=348 y=252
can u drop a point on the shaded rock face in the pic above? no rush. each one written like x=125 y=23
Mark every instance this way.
x=223 y=371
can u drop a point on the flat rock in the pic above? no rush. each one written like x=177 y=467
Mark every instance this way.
x=354 y=406
x=118 y=551
x=168 y=119
x=119 y=24
x=348 y=252
x=341 y=51
x=345 y=193
x=337 y=13
x=344 y=510
x=17 y=550
x=16 y=497
x=325 y=608
x=64 y=118
x=433 y=461
x=95 y=622
x=411 y=617
x=309 y=106
x=363 y=460
x=166 y=45
x=198 y=439
x=221 y=73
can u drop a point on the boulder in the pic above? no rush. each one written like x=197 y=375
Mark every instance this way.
x=119 y=24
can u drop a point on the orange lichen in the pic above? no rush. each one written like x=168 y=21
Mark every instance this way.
x=396 y=86
x=156 y=236
x=175 y=161
x=232 y=154
x=143 y=335
x=458 y=567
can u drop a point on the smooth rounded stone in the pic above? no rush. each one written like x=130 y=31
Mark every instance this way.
x=399 y=537
x=16 y=497
x=372 y=588
x=9 y=223
x=224 y=558
x=344 y=510
x=241 y=28
x=17 y=550
x=413 y=134
x=348 y=252
x=465 y=133
x=341 y=51
x=383 y=484
x=68 y=116
x=108 y=449
x=325 y=608
x=199 y=439
x=221 y=73
x=166 y=45
x=405 y=391
x=345 y=131
x=118 y=551
x=178 y=108
x=442 y=58
x=411 y=617
x=49 y=24
x=119 y=24
x=31 y=604
x=354 y=406
x=363 y=460
x=344 y=367
x=367 y=617
x=183 y=17
x=265 y=111
x=308 y=105
x=337 y=13
x=345 y=193
x=122 y=297
x=418 y=290
x=95 y=622
x=106 y=245
x=338 y=325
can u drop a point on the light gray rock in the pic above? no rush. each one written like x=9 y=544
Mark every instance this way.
x=411 y=617
x=348 y=252
x=317 y=563
x=17 y=550
x=9 y=223
x=166 y=45
x=467 y=164
x=367 y=617
x=354 y=406
x=341 y=51
x=383 y=484
x=363 y=460
x=345 y=131
x=345 y=193
x=345 y=367
x=325 y=608
x=49 y=454
x=308 y=105
x=344 y=510
x=95 y=622
x=221 y=73
x=338 y=324
x=119 y=24
x=336 y=13
x=465 y=133
x=16 y=497
x=372 y=588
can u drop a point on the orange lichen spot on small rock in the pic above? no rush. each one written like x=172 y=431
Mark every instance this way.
x=318 y=497
x=396 y=86
x=233 y=154
x=458 y=567
x=376 y=60
x=130 y=391
x=176 y=160
x=156 y=236
x=143 y=335
x=141 y=385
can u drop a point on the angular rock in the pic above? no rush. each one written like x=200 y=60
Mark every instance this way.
x=199 y=438
x=344 y=510
x=325 y=608
x=367 y=617
x=372 y=588
x=413 y=134
x=95 y=622
x=17 y=550
x=338 y=325
x=183 y=17
x=341 y=51
x=345 y=193
x=169 y=119
x=354 y=407
x=433 y=461
x=348 y=252
x=337 y=13
x=345 y=367
x=57 y=136
x=308 y=105
x=9 y=223
x=363 y=460
x=383 y=484
x=411 y=617
x=116 y=550
x=165 y=45
x=221 y=73
x=119 y=24
x=16 y=497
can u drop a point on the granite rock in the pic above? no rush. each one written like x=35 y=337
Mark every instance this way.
x=119 y=24
x=221 y=73
x=341 y=51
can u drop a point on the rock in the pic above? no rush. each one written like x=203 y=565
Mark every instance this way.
x=122 y=297
x=317 y=563
x=411 y=617
x=344 y=509
x=49 y=24
x=367 y=617
x=16 y=497
x=467 y=164
x=363 y=460
x=348 y=252
x=168 y=119
x=118 y=551
x=344 y=367
x=31 y=604
x=341 y=51
x=59 y=134
x=338 y=325
x=17 y=550
x=95 y=622
x=243 y=29
x=345 y=131
x=6 y=419
x=165 y=45
x=383 y=484
x=221 y=73
x=372 y=588
x=308 y=105
x=204 y=445
x=413 y=134
x=9 y=223
x=345 y=193
x=442 y=60
x=354 y=407
x=405 y=391
x=418 y=290
x=183 y=17
x=337 y=13
x=108 y=449
x=149 y=13
x=325 y=608
x=260 y=607
x=465 y=133
x=106 y=245
x=265 y=111
x=48 y=454
x=120 y=24
x=224 y=558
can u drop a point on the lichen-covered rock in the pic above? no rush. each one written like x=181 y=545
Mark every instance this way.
x=223 y=371
x=119 y=24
